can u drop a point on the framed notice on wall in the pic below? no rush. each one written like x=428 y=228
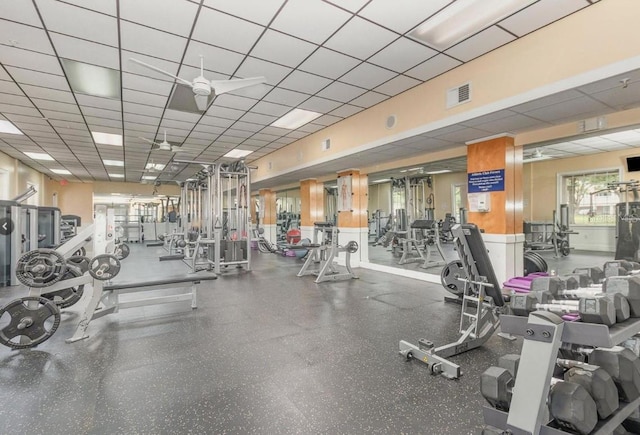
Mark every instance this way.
x=344 y=193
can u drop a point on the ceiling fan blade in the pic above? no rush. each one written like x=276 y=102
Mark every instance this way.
x=181 y=80
x=177 y=150
x=202 y=101
x=147 y=140
x=222 y=86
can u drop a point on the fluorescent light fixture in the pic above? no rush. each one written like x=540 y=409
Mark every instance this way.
x=441 y=171
x=116 y=175
x=116 y=194
x=382 y=180
x=7 y=127
x=536 y=159
x=155 y=166
x=113 y=162
x=39 y=156
x=462 y=19
x=296 y=118
x=237 y=154
x=404 y=170
x=61 y=171
x=92 y=80
x=415 y=169
x=149 y=177
x=107 y=138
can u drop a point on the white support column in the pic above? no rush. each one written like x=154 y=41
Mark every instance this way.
x=359 y=235
x=506 y=252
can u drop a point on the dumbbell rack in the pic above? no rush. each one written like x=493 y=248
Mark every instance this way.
x=544 y=333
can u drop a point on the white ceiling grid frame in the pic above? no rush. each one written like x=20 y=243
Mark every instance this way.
x=325 y=20
x=145 y=40
x=540 y=14
x=384 y=12
x=479 y=44
x=225 y=31
x=401 y=55
x=360 y=38
x=70 y=20
x=25 y=37
x=282 y=49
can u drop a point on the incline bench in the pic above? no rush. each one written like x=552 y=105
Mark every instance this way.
x=105 y=299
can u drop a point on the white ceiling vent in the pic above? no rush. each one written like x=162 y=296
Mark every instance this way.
x=326 y=144
x=459 y=95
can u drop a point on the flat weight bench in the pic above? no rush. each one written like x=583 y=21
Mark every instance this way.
x=105 y=299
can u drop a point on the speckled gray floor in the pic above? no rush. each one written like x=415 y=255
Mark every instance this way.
x=265 y=352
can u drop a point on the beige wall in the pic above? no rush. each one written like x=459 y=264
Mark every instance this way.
x=509 y=75
x=442 y=191
x=15 y=178
x=380 y=198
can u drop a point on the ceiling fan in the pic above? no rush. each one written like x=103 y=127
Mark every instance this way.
x=164 y=145
x=202 y=87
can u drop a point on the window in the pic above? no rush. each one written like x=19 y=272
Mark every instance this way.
x=589 y=200
x=459 y=199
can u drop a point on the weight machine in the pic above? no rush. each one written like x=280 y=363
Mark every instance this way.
x=552 y=235
x=49 y=219
x=323 y=250
x=482 y=303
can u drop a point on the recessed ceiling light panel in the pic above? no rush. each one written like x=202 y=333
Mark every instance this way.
x=8 y=127
x=116 y=175
x=61 y=171
x=113 y=162
x=39 y=156
x=107 y=138
x=295 y=119
x=92 y=79
x=237 y=154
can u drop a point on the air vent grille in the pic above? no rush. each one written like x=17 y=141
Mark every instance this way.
x=459 y=95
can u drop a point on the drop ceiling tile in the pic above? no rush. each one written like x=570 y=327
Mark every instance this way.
x=143 y=98
x=48 y=94
x=144 y=40
x=258 y=118
x=208 y=132
x=267 y=108
x=402 y=55
x=215 y=59
x=86 y=52
x=367 y=76
x=286 y=97
x=102 y=122
x=304 y=82
x=25 y=37
x=328 y=63
x=255 y=142
x=140 y=119
x=271 y=133
x=343 y=92
x=397 y=85
x=228 y=32
x=18 y=110
x=22 y=12
x=566 y=109
x=215 y=121
x=282 y=49
x=369 y=99
x=326 y=19
x=105 y=6
x=28 y=120
x=297 y=134
x=258 y=11
x=547 y=101
x=611 y=82
x=235 y=102
x=401 y=15
x=621 y=98
x=62 y=124
x=173 y=126
x=12 y=56
x=142 y=109
x=237 y=135
x=512 y=124
x=174 y=16
x=360 y=38
x=350 y=5
x=540 y=14
x=99 y=102
x=253 y=67
x=463 y=135
x=346 y=110
x=71 y=20
x=146 y=84
x=224 y=112
x=310 y=128
x=327 y=120
x=29 y=77
x=479 y=44
x=7 y=87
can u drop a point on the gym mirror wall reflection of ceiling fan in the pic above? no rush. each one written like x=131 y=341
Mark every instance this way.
x=202 y=87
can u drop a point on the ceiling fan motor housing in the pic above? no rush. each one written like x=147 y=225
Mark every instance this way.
x=201 y=86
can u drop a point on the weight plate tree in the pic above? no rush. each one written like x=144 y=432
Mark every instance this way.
x=66 y=297
x=28 y=321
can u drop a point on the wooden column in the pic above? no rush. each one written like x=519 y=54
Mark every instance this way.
x=268 y=217
x=494 y=168
x=488 y=162
x=311 y=202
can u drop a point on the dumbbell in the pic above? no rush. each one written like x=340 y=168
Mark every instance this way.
x=620 y=303
x=597 y=381
x=569 y=403
x=623 y=366
x=591 y=309
x=627 y=286
x=620 y=268
x=595 y=273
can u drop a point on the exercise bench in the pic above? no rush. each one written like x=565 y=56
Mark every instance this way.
x=105 y=299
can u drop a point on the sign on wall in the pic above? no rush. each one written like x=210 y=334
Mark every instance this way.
x=486 y=181
x=344 y=193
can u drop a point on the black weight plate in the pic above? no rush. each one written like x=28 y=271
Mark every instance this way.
x=449 y=277
x=40 y=268
x=28 y=321
x=104 y=267
x=530 y=265
x=80 y=261
x=66 y=297
x=542 y=263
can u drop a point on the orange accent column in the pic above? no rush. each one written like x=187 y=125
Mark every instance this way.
x=268 y=204
x=312 y=202
x=505 y=215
